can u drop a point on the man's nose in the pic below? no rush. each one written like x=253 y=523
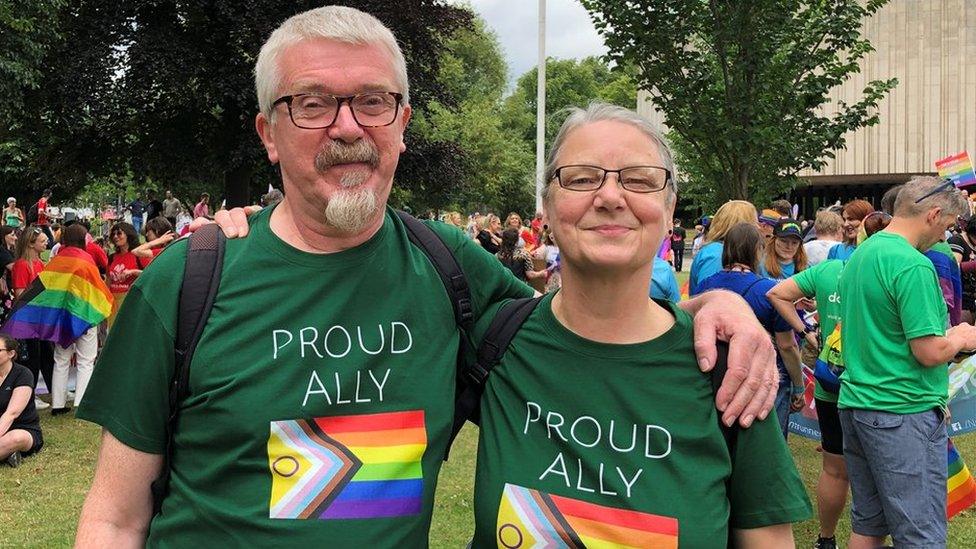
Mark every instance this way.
x=345 y=128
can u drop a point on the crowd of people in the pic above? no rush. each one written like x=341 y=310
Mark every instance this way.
x=322 y=387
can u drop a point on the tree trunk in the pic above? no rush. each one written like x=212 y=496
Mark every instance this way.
x=740 y=187
x=237 y=187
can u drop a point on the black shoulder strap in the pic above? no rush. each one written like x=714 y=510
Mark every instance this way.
x=497 y=338
x=204 y=262
x=717 y=375
x=447 y=267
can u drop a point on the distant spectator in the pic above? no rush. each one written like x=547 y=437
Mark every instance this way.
x=38 y=354
x=154 y=208
x=664 y=285
x=12 y=215
x=202 y=208
x=782 y=207
x=159 y=233
x=41 y=218
x=20 y=427
x=830 y=231
x=8 y=243
x=123 y=265
x=854 y=212
x=171 y=207
x=137 y=208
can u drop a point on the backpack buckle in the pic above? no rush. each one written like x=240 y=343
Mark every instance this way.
x=476 y=374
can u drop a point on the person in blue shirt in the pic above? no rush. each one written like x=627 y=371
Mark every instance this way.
x=784 y=255
x=664 y=285
x=740 y=261
x=709 y=258
x=853 y=213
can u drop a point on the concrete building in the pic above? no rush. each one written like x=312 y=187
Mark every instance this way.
x=930 y=47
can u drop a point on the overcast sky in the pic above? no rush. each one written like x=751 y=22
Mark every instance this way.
x=569 y=31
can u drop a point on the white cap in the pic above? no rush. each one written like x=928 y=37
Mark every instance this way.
x=11 y=199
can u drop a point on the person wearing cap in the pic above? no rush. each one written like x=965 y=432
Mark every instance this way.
x=784 y=255
x=767 y=222
x=12 y=215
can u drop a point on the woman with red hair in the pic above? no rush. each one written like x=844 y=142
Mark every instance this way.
x=853 y=213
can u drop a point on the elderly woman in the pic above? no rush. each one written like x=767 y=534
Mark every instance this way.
x=596 y=418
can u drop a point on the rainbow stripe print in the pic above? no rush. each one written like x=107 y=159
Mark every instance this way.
x=347 y=467
x=530 y=518
x=958 y=168
x=961 y=486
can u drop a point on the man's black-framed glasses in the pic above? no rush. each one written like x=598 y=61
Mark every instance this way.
x=636 y=179
x=947 y=185
x=314 y=111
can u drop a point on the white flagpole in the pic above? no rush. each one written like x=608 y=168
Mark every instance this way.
x=540 y=123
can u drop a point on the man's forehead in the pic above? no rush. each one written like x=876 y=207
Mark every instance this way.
x=306 y=85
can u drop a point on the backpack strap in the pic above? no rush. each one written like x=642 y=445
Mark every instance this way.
x=507 y=322
x=717 y=375
x=201 y=279
x=446 y=266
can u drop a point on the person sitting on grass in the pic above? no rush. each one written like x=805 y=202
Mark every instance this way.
x=20 y=427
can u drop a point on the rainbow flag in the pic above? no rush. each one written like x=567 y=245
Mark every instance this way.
x=347 y=467
x=67 y=298
x=685 y=290
x=961 y=485
x=530 y=518
x=958 y=168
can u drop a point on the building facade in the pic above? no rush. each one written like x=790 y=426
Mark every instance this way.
x=930 y=47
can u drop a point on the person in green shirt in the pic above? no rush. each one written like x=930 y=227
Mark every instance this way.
x=321 y=391
x=820 y=283
x=596 y=429
x=894 y=388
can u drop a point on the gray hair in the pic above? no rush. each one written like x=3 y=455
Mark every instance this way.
x=828 y=223
x=951 y=201
x=600 y=112
x=339 y=23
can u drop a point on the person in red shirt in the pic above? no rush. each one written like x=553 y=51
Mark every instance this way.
x=43 y=219
x=123 y=265
x=159 y=233
x=37 y=355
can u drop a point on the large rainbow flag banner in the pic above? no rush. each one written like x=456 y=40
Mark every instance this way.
x=530 y=518
x=347 y=467
x=961 y=485
x=958 y=168
x=67 y=298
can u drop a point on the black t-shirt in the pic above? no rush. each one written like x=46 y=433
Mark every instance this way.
x=20 y=377
x=679 y=234
x=485 y=238
x=153 y=209
x=959 y=245
x=6 y=258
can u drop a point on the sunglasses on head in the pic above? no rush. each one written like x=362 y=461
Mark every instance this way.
x=947 y=185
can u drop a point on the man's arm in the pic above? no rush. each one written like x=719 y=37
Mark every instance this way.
x=783 y=297
x=749 y=388
x=118 y=508
x=937 y=350
x=777 y=536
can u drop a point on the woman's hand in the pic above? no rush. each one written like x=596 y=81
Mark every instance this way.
x=812 y=340
x=233 y=222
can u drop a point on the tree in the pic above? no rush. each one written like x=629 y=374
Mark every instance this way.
x=569 y=83
x=496 y=166
x=164 y=90
x=744 y=84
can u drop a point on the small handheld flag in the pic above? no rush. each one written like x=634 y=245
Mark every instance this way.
x=958 y=168
x=961 y=486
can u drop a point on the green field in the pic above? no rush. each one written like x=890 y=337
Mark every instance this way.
x=40 y=501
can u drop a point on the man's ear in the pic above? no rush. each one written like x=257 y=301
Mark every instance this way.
x=263 y=127
x=405 y=120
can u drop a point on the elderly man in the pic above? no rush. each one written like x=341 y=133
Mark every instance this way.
x=322 y=387
x=893 y=393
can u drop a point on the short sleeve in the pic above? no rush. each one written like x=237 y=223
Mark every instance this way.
x=921 y=305
x=129 y=391
x=489 y=280
x=834 y=250
x=956 y=245
x=806 y=279
x=765 y=311
x=24 y=378
x=20 y=275
x=765 y=486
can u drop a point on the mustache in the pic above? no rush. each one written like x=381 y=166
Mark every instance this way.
x=340 y=152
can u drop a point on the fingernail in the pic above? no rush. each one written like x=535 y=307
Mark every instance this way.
x=706 y=364
x=728 y=421
x=748 y=420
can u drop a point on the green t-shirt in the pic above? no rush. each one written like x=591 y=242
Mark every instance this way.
x=321 y=390
x=821 y=281
x=890 y=295
x=618 y=444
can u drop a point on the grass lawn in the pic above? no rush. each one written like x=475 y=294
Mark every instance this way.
x=41 y=500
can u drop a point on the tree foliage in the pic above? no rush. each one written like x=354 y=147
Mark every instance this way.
x=744 y=85
x=164 y=90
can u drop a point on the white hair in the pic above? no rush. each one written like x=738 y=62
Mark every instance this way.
x=600 y=112
x=339 y=23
